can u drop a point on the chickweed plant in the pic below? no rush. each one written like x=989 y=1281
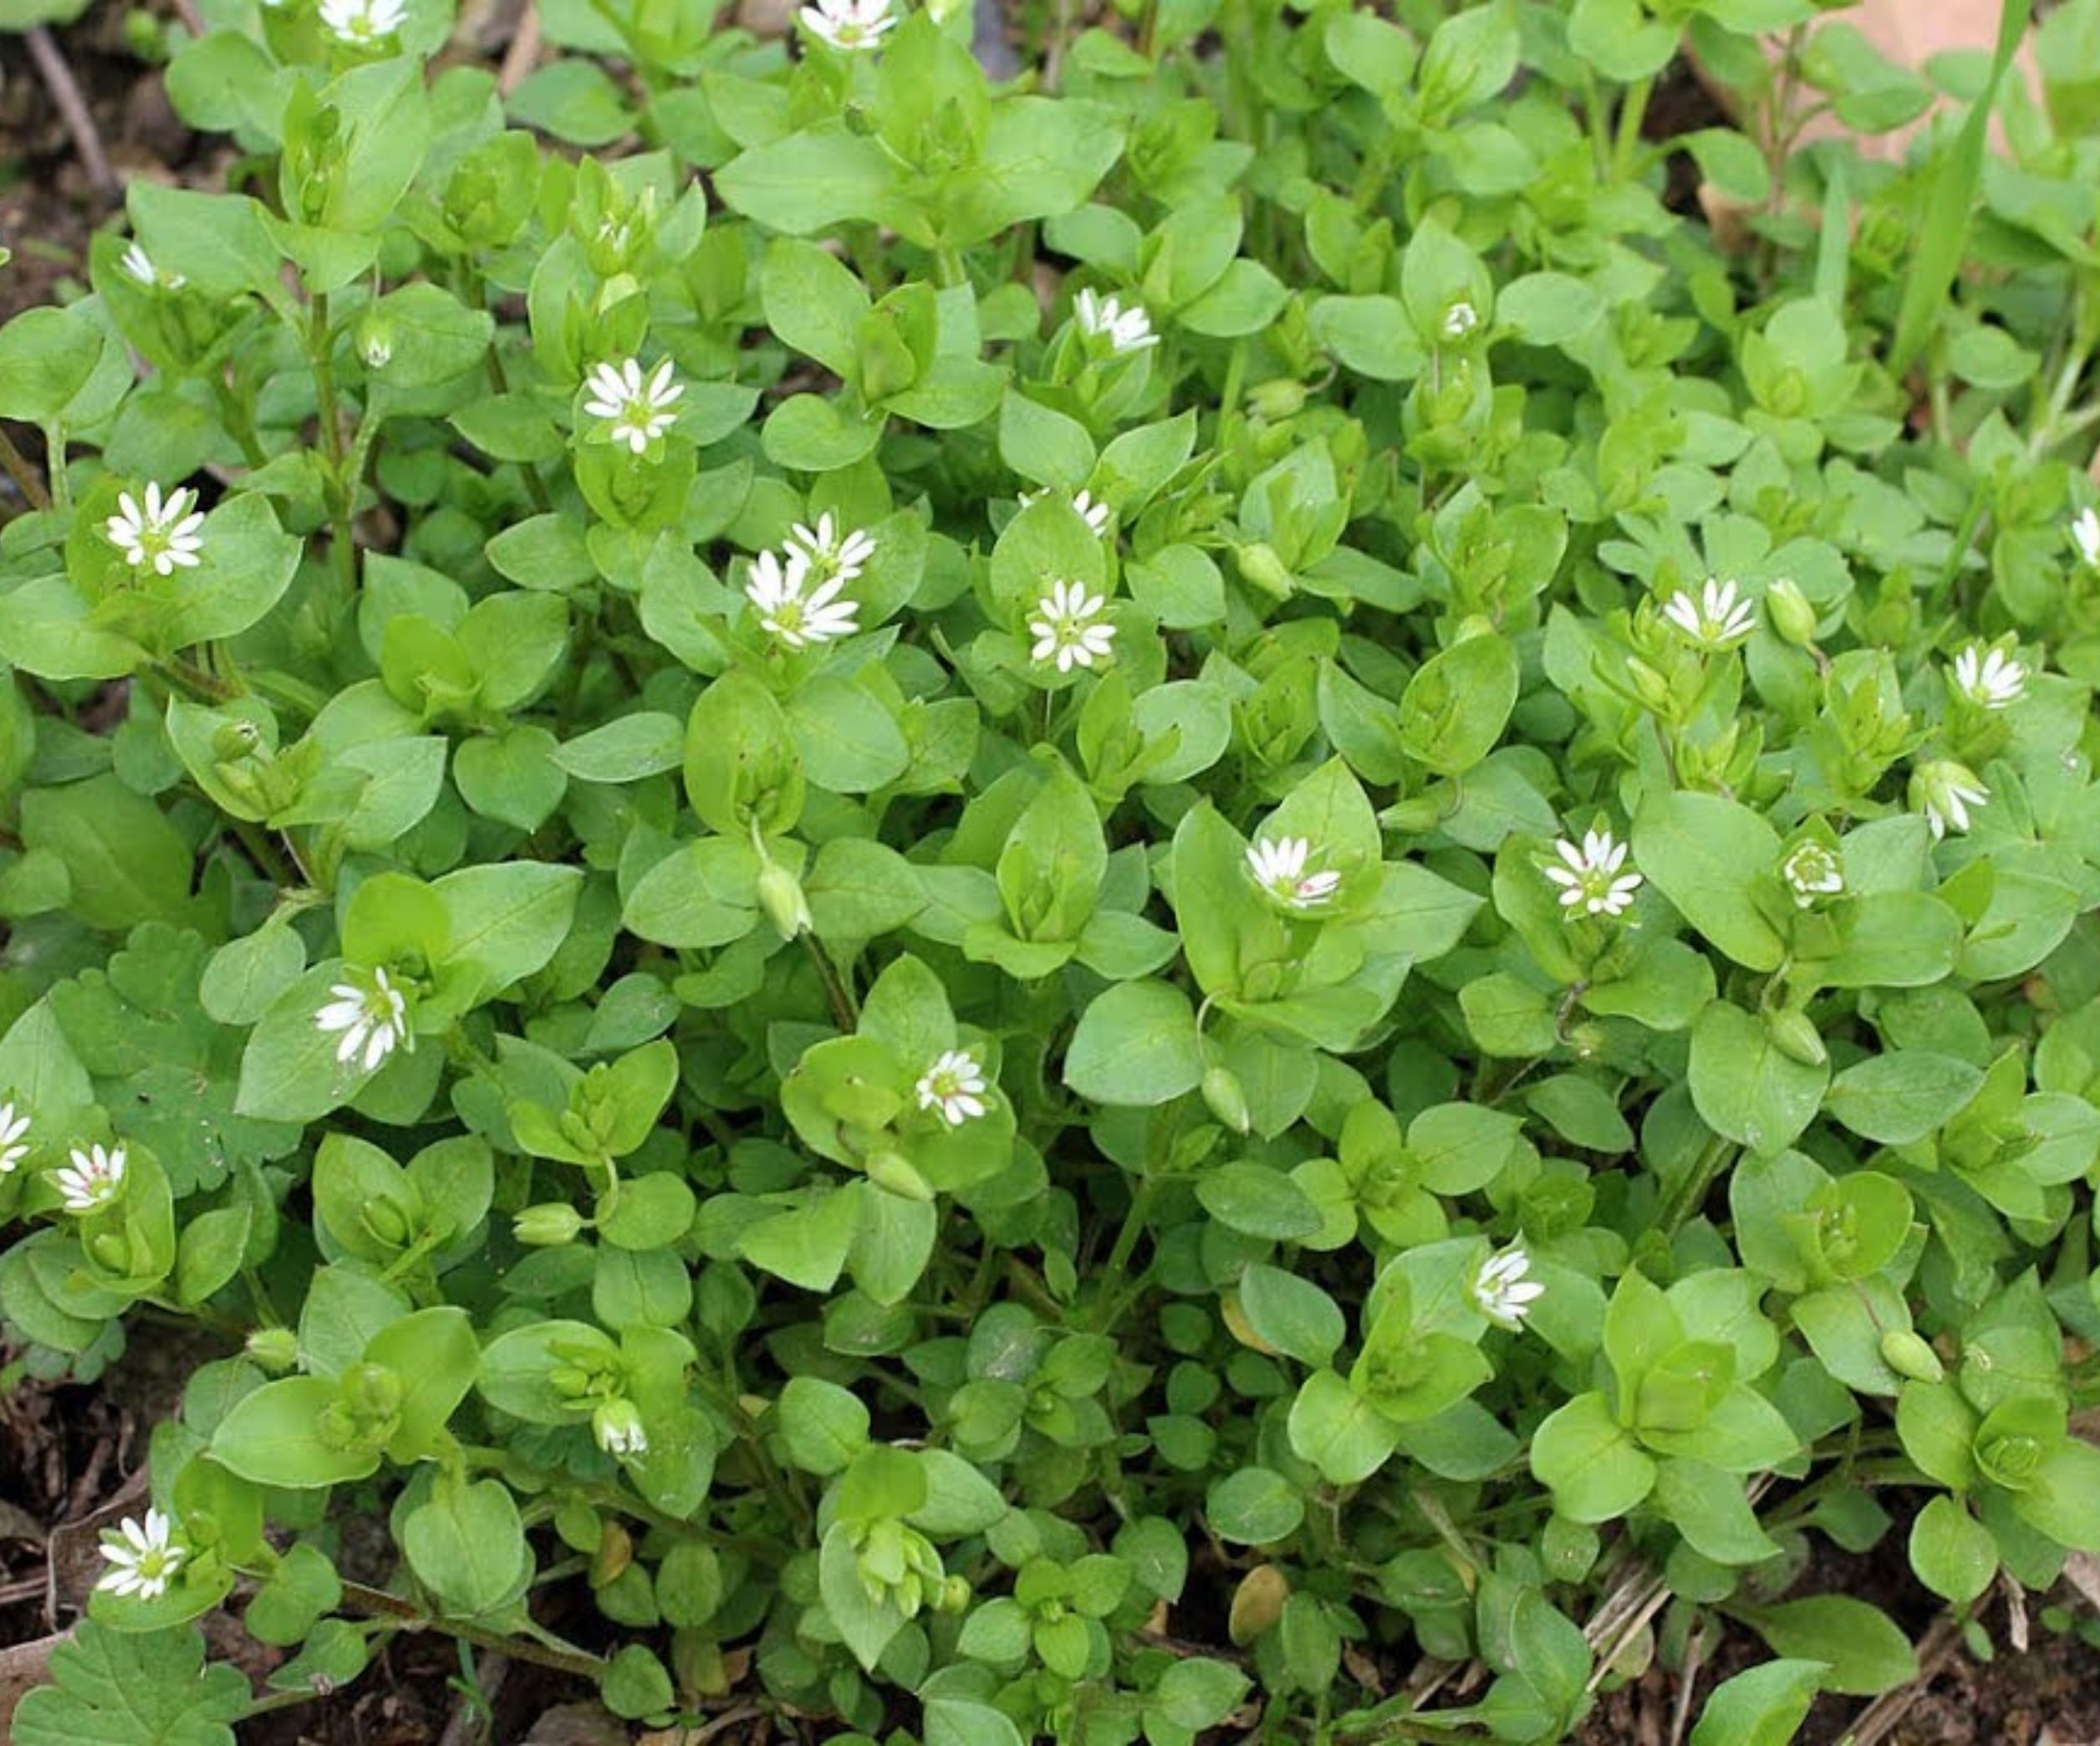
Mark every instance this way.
x=1072 y=910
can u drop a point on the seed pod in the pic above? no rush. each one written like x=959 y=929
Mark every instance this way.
x=1795 y=1036
x=1791 y=615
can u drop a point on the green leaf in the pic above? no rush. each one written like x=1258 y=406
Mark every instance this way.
x=126 y=862
x=1256 y=1506
x=506 y=921
x=467 y=1543
x=1136 y=1045
x=1953 y=1553
x=1899 y=1098
x=1587 y=1460
x=273 y=1437
x=1711 y=857
x=1457 y=704
x=1339 y=1432
x=1866 y=1652
x=1291 y=1313
x=1763 y=1707
x=1745 y=1087
x=112 y=1688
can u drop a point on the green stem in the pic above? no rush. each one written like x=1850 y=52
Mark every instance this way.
x=845 y=1011
x=1632 y=113
x=377 y=1603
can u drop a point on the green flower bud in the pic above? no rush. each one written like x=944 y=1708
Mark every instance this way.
x=387 y=1222
x=1648 y=684
x=274 y=1349
x=1795 y=1036
x=1282 y=398
x=111 y=1249
x=892 y=1170
x=1227 y=1099
x=1261 y=567
x=547 y=1225
x=953 y=1595
x=780 y=895
x=376 y=339
x=1909 y=1354
x=1791 y=615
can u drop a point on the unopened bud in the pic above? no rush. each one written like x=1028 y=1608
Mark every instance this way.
x=1261 y=567
x=1795 y=1036
x=1652 y=688
x=375 y=340
x=547 y=1225
x=1791 y=615
x=952 y=1595
x=618 y=1427
x=1280 y=398
x=892 y=1170
x=1910 y=1354
x=780 y=895
x=1227 y=1099
x=274 y=1349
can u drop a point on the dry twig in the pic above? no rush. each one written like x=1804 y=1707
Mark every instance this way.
x=73 y=108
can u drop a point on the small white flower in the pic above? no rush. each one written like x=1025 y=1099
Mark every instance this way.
x=1590 y=881
x=2085 y=534
x=1502 y=1293
x=954 y=1087
x=361 y=23
x=618 y=1427
x=1126 y=330
x=1096 y=515
x=92 y=1182
x=371 y=1017
x=1068 y=627
x=1719 y=619
x=143 y=1557
x=163 y=532
x=139 y=265
x=1813 y=872
x=852 y=25
x=14 y=1128
x=1460 y=319
x=1989 y=678
x=776 y=589
x=829 y=552
x=640 y=411
x=1278 y=867
x=1946 y=792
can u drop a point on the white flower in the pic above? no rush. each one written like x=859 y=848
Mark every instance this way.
x=954 y=1087
x=852 y=25
x=1989 y=678
x=372 y=1017
x=1126 y=330
x=139 y=265
x=1590 y=881
x=1717 y=620
x=1278 y=867
x=618 y=1430
x=360 y=23
x=1813 y=872
x=142 y=1557
x=96 y=1177
x=162 y=533
x=1068 y=627
x=1944 y=792
x=1502 y=1293
x=640 y=411
x=2085 y=534
x=1460 y=319
x=1096 y=515
x=775 y=588
x=830 y=554
x=13 y=1127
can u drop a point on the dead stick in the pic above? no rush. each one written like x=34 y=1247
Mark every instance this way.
x=57 y=79
x=524 y=53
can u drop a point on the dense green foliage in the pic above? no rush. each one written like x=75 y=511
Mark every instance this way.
x=1067 y=910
